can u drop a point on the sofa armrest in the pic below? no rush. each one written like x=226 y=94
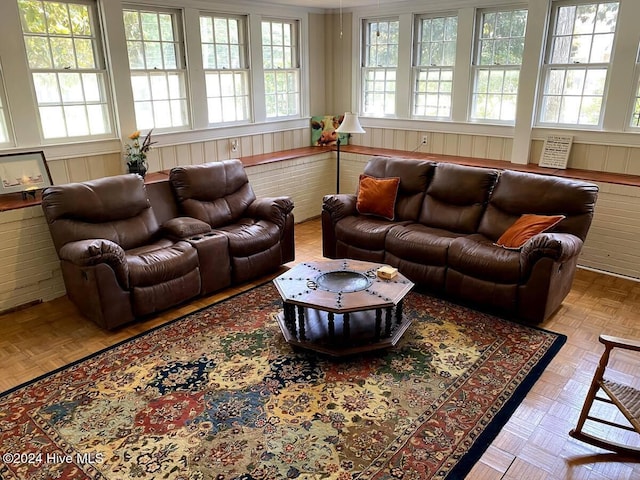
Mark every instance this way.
x=560 y=247
x=91 y=252
x=339 y=206
x=273 y=209
x=180 y=228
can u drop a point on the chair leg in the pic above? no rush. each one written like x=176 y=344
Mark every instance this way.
x=593 y=389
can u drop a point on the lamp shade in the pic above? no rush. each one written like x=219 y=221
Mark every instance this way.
x=350 y=124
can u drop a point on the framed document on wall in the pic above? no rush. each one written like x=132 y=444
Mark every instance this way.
x=555 y=153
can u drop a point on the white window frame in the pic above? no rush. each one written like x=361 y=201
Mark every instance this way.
x=71 y=108
x=285 y=99
x=163 y=103
x=496 y=73
x=551 y=67
x=227 y=82
x=433 y=79
x=6 y=132
x=379 y=79
x=634 y=120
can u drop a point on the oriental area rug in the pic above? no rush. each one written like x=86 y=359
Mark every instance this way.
x=218 y=394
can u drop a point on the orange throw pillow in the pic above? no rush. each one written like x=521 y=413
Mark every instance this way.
x=526 y=227
x=377 y=196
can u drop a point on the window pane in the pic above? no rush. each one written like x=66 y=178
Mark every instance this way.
x=582 y=34
x=499 y=50
x=381 y=48
x=80 y=20
x=555 y=83
x=436 y=47
x=570 y=109
x=65 y=58
x=84 y=53
x=159 y=87
x=224 y=62
x=46 y=86
x=150 y=27
x=280 y=64
x=601 y=49
x=32 y=16
x=98 y=118
x=141 y=88
x=71 y=87
x=57 y=18
x=53 y=122
x=166 y=28
x=595 y=81
x=92 y=88
x=561 y=50
x=136 y=55
x=62 y=51
x=635 y=114
x=77 y=121
x=155 y=56
x=38 y=52
x=590 y=110
x=169 y=56
x=551 y=109
x=132 y=25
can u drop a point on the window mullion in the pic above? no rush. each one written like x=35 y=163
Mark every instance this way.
x=111 y=13
x=256 y=79
x=195 y=76
x=403 y=74
x=462 y=79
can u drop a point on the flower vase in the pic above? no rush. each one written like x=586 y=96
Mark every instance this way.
x=137 y=166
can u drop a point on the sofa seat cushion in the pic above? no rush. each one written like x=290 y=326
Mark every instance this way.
x=419 y=243
x=160 y=262
x=364 y=232
x=249 y=236
x=477 y=256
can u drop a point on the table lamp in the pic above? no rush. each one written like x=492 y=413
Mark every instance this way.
x=350 y=124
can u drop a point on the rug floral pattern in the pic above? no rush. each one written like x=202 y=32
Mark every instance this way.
x=220 y=395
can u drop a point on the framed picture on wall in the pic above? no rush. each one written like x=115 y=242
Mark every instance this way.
x=323 y=130
x=24 y=172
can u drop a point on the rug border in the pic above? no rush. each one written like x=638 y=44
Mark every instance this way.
x=122 y=342
x=491 y=431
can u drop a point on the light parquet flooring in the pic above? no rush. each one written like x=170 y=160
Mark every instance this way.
x=533 y=445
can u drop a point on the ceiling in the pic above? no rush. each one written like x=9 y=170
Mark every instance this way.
x=329 y=4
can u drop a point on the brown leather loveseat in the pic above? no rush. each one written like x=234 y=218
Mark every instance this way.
x=128 y=249
x=445 y=226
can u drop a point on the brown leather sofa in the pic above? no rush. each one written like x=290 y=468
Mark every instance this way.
x=447 y=220
x=128 y=249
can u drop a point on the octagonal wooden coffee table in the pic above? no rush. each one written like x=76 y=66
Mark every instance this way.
x=337 y=306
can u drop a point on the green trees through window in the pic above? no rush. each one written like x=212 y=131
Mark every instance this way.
x=64 y=55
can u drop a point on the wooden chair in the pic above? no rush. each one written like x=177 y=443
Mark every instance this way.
x=625 y=397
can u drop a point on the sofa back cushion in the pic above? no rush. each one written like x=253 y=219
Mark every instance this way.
x=456 y=197
x=518 y=193
x=217 y=193
x=414 y=177
x=114 y=208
